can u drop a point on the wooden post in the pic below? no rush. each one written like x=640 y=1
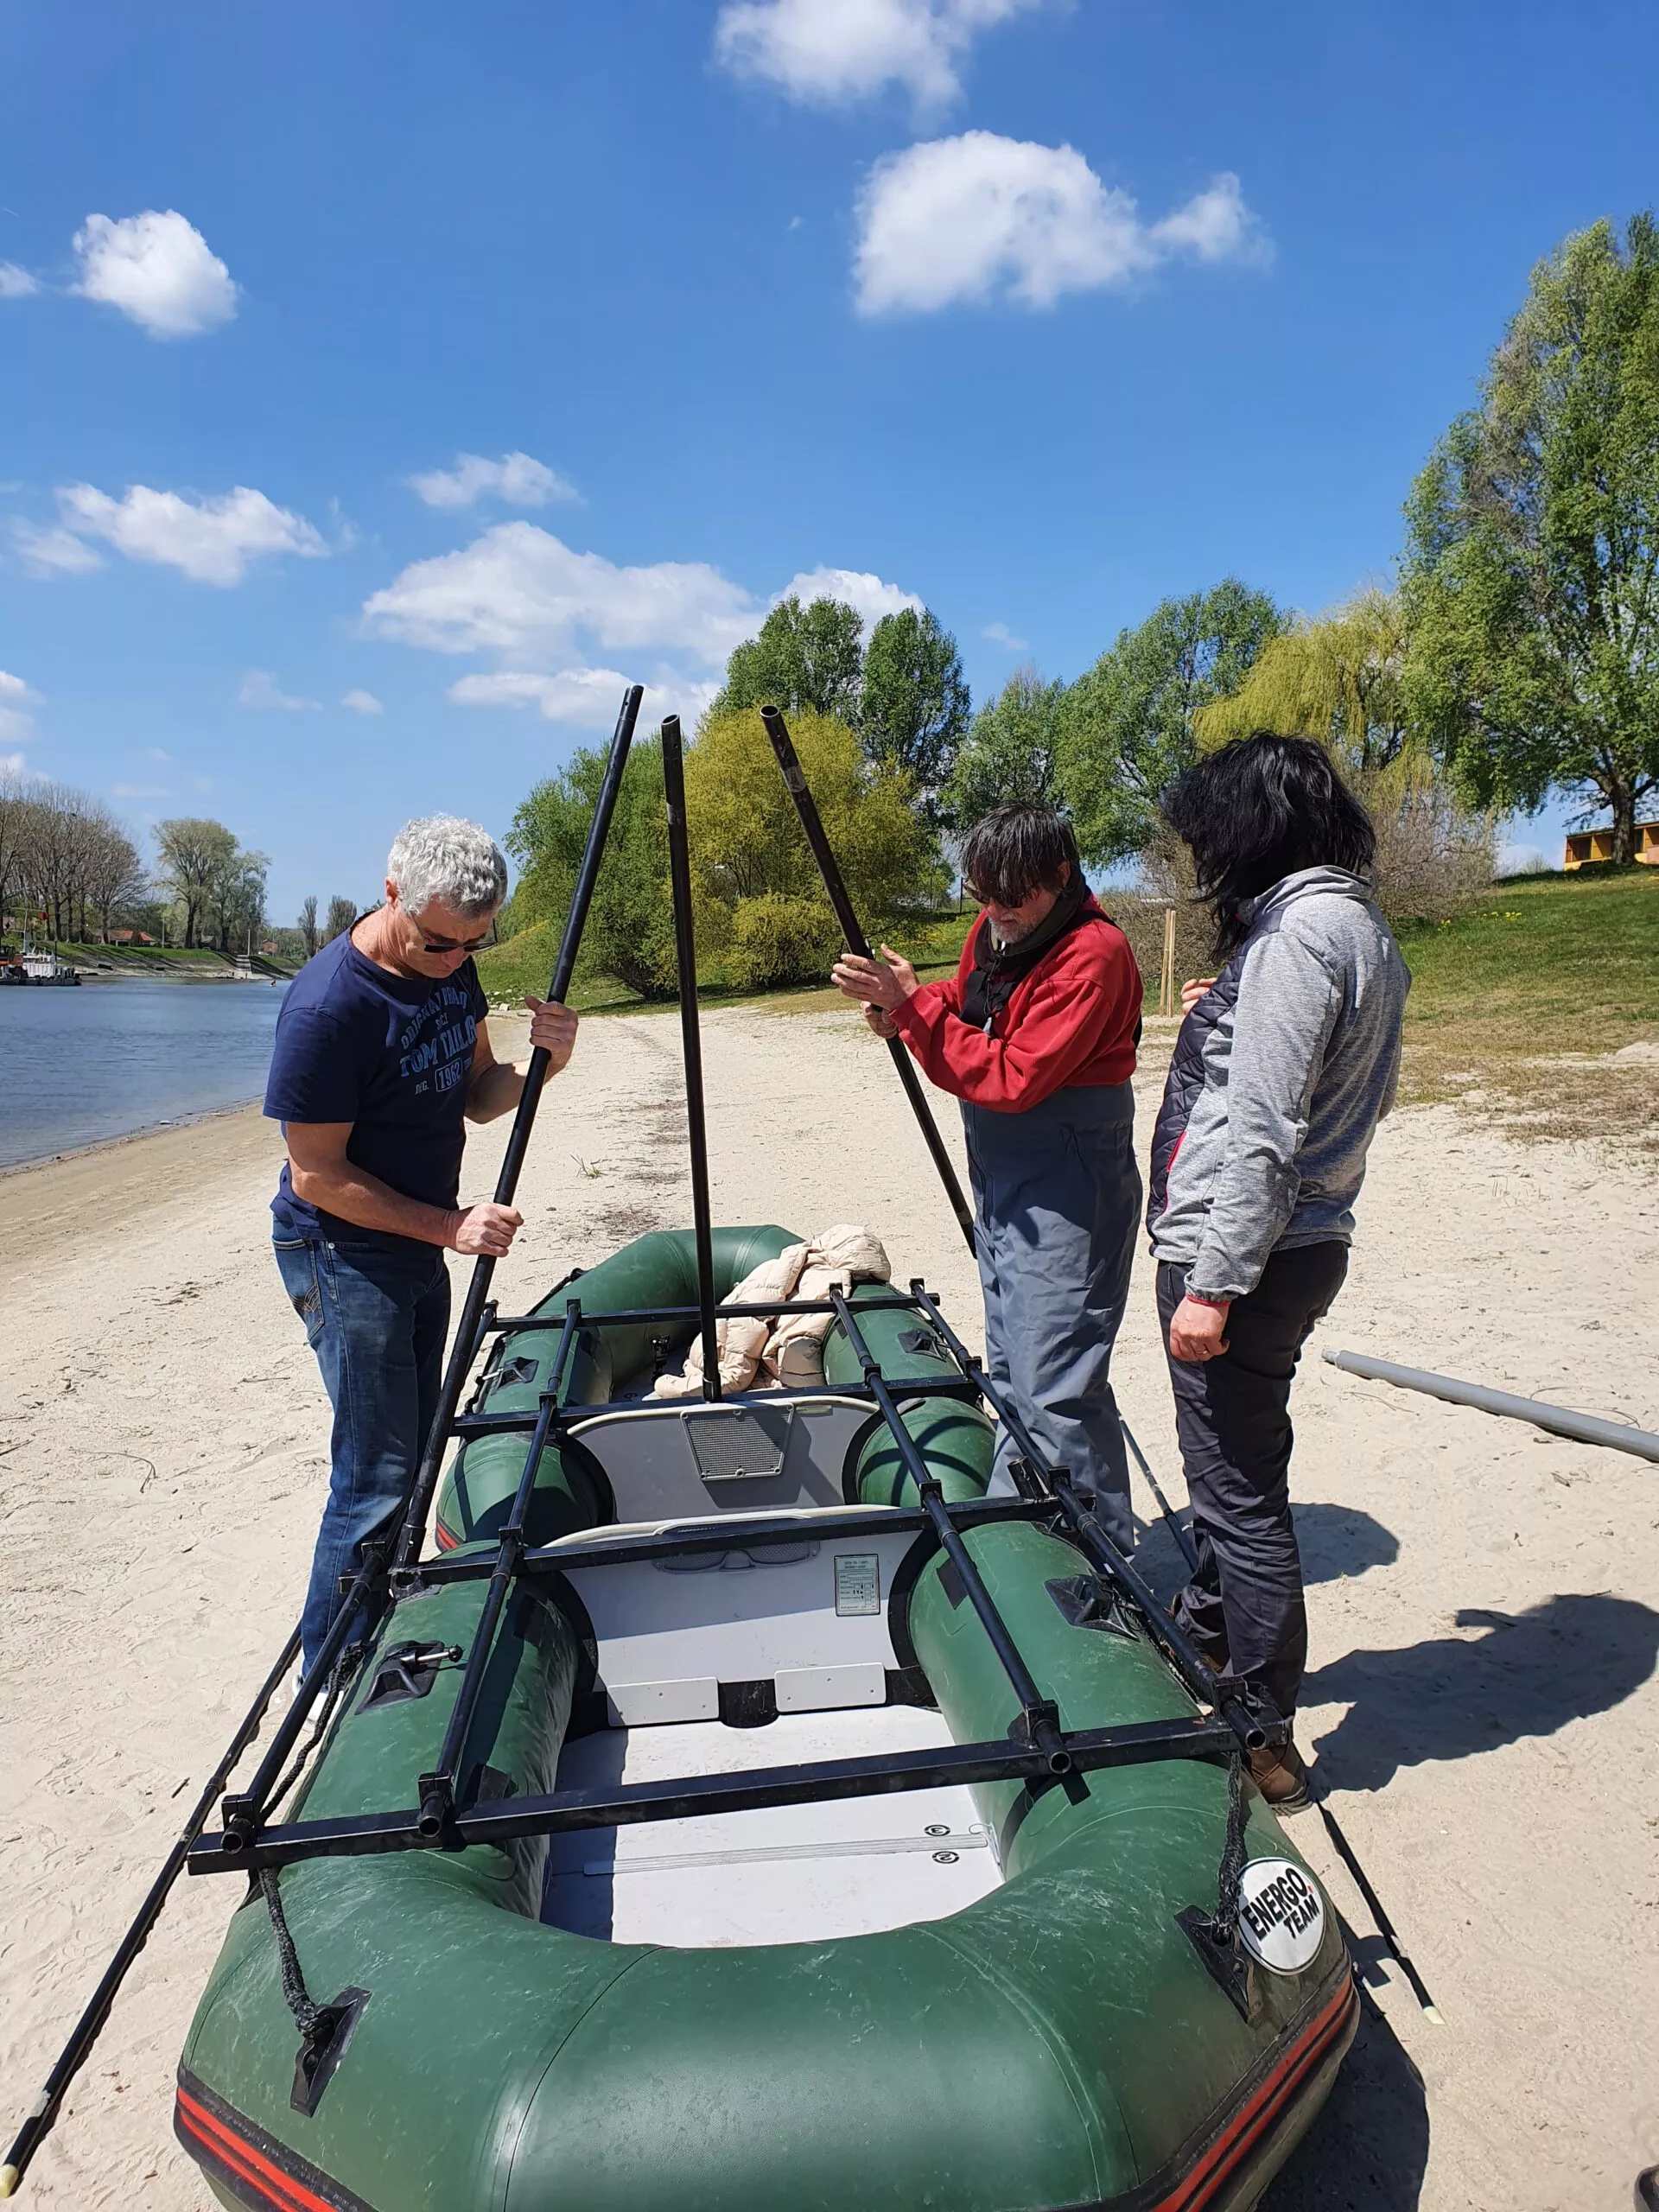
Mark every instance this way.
x=1168 y=998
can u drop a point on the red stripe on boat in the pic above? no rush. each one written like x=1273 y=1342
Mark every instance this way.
x=1197 y=2187
x=279 y=2188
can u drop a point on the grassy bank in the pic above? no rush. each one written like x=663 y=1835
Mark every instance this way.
x=1522 y=1000
x=156 y=959
x=524 y=963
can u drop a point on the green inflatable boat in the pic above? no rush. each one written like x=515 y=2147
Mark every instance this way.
x=821 y=1835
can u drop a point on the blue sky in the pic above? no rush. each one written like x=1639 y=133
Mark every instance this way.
x=1033 y=312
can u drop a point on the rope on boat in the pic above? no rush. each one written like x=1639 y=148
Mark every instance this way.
x=1225 y=1920
x=308 y=2017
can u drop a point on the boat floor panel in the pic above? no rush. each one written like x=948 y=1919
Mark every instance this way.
x=782 y=1874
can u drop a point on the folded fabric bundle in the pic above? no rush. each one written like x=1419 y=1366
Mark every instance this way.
x=755 y=1354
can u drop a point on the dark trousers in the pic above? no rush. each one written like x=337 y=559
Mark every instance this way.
x=376 y=1319
x=1232 y=1415
x=1057 y=1198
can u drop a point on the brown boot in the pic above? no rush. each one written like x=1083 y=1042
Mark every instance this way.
x=1279 y=1773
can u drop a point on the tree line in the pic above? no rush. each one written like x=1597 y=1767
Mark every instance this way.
x=71 y=871
x=1517 y=654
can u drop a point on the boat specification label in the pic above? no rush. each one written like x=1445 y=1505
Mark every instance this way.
x=1280 y=1915
x=858 y=1582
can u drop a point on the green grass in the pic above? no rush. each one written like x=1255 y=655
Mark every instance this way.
x=523 y=965
x=155 y=959
x=1527 y=993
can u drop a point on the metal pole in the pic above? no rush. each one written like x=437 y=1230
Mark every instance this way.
x=836 y=888
x=437 y=1788
x=1556 y=1420
x=1189 y=1551
x=463 y=1350
x=686 y=959
x=1039 y=1714
x=38 y=2126
x=1182 y=1653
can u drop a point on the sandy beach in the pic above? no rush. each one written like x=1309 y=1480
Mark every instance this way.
x=1482 y=1698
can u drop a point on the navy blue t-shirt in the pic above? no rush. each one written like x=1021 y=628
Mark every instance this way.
x=391 y=1054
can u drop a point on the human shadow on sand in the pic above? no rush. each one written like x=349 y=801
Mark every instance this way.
x=1334 y=1542
x=1368 y=2149
x=1526 y=1674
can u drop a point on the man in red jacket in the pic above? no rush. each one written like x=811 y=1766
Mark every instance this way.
x=1036 y=1035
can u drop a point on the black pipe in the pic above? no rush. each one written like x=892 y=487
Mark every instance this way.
x=463 y=1350
x=437 y=1789
x=1182 y=1653
x=835 y=889
x=1040 y=1717
x=608 y=1805
x=74 y=2054
x=685 y=961
x=771 y=1309
x=1188 y=1549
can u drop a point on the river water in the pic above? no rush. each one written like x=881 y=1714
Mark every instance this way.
x=78 y=1066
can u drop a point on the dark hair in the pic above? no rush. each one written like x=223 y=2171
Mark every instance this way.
x=1258 y=810
x=1018 y=848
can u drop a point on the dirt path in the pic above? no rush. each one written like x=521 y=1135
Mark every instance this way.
x=1482 y=1697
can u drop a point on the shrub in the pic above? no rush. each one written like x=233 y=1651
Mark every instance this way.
x=778 y=939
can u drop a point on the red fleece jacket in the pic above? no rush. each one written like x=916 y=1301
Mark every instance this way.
x=1070 y=1022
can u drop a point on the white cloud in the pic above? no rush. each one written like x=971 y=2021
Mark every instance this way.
x=999 y=634
x=17 y=283
x=587 y=698
x=515 y=479
x=211 y=540
x=158 y=270
x=856 y=587
x=828 y=53
x=137 y=790
x=259 y=688
x=154 y=753
x=521 y=593
x=13 y=764
x=16 y=698
x=363 y=703
x=978 y=217
x=54 y=552
x=520 y=596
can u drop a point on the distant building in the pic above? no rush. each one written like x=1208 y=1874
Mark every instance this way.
x=1585 y=845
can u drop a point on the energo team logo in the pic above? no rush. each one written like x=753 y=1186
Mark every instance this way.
x=1280 y=1915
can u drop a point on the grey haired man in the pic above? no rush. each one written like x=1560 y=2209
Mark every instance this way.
x=382 y=1055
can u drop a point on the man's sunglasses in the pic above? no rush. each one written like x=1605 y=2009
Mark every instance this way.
x=454 y=945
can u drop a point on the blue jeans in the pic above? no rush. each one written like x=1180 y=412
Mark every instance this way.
x=376 y=1318
x=1057 y=1200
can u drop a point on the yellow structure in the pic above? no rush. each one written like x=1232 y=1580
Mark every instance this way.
x=1598 y=845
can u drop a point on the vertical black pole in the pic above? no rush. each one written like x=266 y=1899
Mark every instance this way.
x=836 y=888
x=465 y=1346
x=685 y=954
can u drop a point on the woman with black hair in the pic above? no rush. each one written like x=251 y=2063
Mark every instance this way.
x=1285 y=1062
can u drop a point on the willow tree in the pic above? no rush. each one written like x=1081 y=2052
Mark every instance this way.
x=1531 y=581
x=1127 y=726
x=1339 y=679
x=1011 y=752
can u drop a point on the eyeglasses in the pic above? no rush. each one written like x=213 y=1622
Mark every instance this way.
x=454 y=945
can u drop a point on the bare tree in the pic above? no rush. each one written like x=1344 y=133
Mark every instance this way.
x=113 y=874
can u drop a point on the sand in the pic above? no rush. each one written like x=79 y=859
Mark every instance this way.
x=1482 y=1696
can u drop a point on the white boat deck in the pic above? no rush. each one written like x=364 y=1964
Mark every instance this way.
x=785 y=1874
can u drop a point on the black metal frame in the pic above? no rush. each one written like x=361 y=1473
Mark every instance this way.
x=1038 y=1751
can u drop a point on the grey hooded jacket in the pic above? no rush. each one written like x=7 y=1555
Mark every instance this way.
x=1280 y=1075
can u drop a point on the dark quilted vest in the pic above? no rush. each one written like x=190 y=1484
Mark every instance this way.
x=1185 y=1080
